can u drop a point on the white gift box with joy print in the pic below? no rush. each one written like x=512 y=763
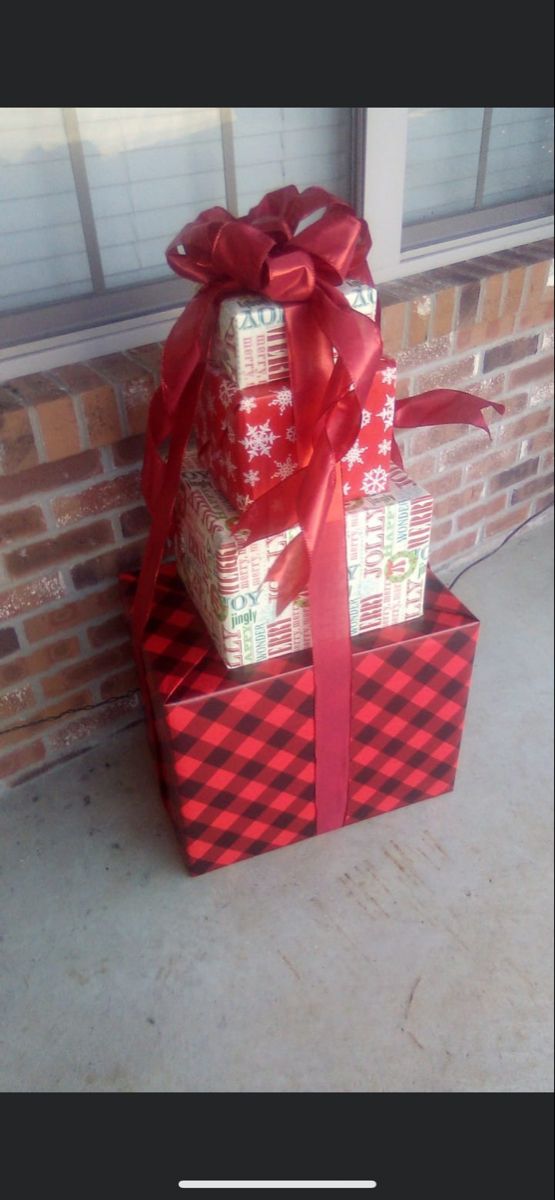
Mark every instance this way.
x=387 y=540
x=251 y=343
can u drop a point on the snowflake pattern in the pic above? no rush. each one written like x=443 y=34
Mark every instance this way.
x=384 y=447
x=389 y=375
x=387 y=412
x=285 y=469
x=283 y=400
x=354 y=455
x=252 y=478
x=366 y=417
x=374 y=481
x=227 y=392
x=246 y=404
x=241 y=502
x=291 y=434
x=346 y=489
x=259 y=440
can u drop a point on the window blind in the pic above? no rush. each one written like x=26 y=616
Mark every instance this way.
x=464 y=160
x=42 y=247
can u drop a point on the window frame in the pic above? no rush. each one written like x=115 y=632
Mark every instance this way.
x=384 y=175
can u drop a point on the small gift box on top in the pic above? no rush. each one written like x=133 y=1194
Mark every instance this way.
x=250 y=345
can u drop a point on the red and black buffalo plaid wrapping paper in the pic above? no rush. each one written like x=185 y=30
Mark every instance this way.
x=235 y=749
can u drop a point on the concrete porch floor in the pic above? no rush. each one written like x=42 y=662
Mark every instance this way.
x=408 y=953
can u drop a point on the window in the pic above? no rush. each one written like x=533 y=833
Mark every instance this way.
x=90 y=198
x=458 y=182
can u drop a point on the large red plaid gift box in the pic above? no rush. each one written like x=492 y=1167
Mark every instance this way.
x=247 y=438
x=251 y=343
x=387 y=540
x=235 y=750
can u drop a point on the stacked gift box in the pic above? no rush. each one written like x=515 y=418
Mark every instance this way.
x=228 y=674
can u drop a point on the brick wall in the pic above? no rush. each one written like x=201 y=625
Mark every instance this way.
x=71 y=515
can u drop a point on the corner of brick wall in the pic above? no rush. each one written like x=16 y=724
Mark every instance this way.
x=71 y=518
x=71 y=515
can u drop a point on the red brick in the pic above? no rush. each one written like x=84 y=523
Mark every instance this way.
x=511 y=431
x=17 y=444
x=110 y=494
x=443 y=484
x=78 y=378
x=432 y=436
x=129 y=450
x=86 y=728
x=17 y=701
x=513 y=291
x=533 y=487
x=491 y=297
x=49 y=476
x=112 y=630
x=463 y=450
x=102 y=417
x=393 y=327
x=30 y=595
x=9 y=642
x=86 y=670
x=457 y=501
x=442 y=317
x=468 y=303
x=510 y=520
x=137 y=520
x=68 y=703
x=54 y=550
x=450 y=374
x=509 y=352
x=514 y=474
x=528 y=374
x=547 y=460
x=135 y=385
x=538 y=314
x=485 y=331
x=26 y=667
x=107 y=566
x=36 y=389
x=21 y=523
x=419 y=320
x=150 y=356
x=23 y=757
x=44 y=625
x=428 y=352
x=543 y=503
x=420 y=469
x=542 y=441
x=118 y=685
x=440 y=530
x=489 y=463
x=513 y=405
x=536 y=283
x=60 y=432
x=452 y=549
x=474 y=515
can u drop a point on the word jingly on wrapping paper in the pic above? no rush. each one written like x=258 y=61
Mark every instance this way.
x=387 y=539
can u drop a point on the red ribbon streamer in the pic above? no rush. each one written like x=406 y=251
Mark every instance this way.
x=263 y=253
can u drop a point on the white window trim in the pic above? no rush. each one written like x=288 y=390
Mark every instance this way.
x=384 y=178
x=384 y=173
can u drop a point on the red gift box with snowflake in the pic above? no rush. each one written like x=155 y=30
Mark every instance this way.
x=246 y=438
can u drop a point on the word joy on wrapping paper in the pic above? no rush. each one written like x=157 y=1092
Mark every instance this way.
x=278 y=1183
